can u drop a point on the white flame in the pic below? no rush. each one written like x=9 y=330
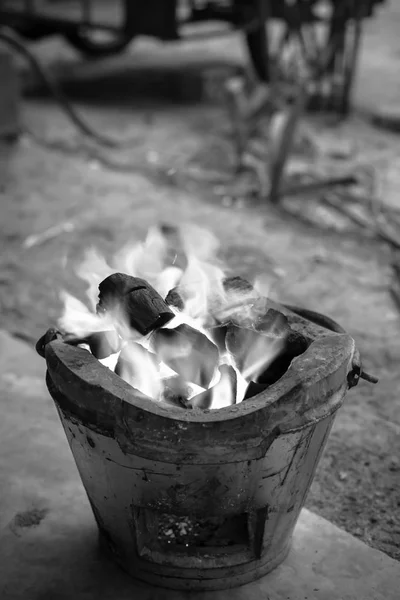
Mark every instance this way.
x=241 y=382
x=223 y=393
x=78 y=320
x=141 y=371
x=198 y=242
x=167 y=280
x=110 y=361
x=260 y=355
x=143 y=259
x=93 y=269
x=201 y=288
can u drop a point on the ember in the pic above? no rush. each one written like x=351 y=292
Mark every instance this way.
x=187 y=336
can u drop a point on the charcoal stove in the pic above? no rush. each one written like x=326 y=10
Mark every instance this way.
x=198 y=445
x=200 y=499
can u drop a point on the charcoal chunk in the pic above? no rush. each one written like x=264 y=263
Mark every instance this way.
x=244 y=343
x=175 y=391
x=103 y=343
x=173 y=298
x=273 y=323
x=253 y=389
x=237 y=284
x=218 y=334
x=131 y=360
x=295 y=344
x=218 y=393
x=137 y=301
x=188 y=352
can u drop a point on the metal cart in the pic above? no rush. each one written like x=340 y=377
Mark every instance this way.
x=287 y=39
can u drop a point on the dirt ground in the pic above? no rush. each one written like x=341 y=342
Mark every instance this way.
x=335 y=270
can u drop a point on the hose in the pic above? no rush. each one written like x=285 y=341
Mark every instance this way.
x=10 y=38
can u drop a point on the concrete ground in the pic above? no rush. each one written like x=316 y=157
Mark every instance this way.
x=48 y=536
x=155 y=96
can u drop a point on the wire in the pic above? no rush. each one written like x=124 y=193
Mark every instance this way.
x=83 y=127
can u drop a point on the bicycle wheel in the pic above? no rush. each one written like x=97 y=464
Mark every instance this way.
x=96 y=44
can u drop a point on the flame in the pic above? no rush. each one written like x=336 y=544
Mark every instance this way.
x=260 y=356
x=110 y=361
x=78 y=320
x=143 y=259
x=206 y=302
x=226 y=394
x=93 y=269
x=202 y=289
x=198 y=242
x=223 y=393
x=141 y=372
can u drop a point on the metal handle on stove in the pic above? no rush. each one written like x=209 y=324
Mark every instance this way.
x=357 y=372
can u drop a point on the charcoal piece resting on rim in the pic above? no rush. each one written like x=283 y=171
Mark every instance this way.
x=140 y=304
x=221 y=394
x=188 y=352
x=104 y=343
x=101 y=343
x=272 y=323
x=242 y=308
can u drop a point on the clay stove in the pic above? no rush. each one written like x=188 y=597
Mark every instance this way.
x=188 y=497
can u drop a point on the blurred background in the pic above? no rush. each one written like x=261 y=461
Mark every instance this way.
x=273 y=124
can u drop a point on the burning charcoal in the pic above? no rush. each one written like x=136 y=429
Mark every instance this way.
x=218 y=334
x=103 y=343
x=267 y=335
x=253 y=389
x=242 y=310
x=273 y=323
x=295 y=344
x=237 y=284
x=176 y=391
x=131 y=360
x=221 y=394
x=173 y=298
x=141 y=305
x=188 y=352
x=50 y=335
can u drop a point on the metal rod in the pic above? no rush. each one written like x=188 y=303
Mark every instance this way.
x=61 y=25
x=86 y=12
x=279 y=161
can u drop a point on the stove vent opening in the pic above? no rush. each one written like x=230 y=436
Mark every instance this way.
x=187 y=541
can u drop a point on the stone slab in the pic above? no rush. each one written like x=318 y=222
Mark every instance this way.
x=48 y=537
